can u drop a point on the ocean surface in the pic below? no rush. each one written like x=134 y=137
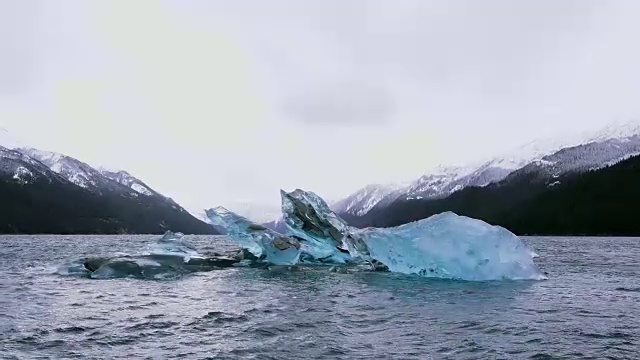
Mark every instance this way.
x=588 y=309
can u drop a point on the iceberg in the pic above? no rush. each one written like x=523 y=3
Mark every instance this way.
x=309 y=218
x=450 y=246
x=445 y=245
x=173 y=244
x=274 y=247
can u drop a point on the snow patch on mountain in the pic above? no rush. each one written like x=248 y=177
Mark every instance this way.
x=73 y=170
x=198 y=214
x=141 y=189
x=11 y=161
x=15 y=155
x=436 y=182
x=535 y=150
x=23 y=175
x=128 y=180
x=363 y=200
x=617 y=130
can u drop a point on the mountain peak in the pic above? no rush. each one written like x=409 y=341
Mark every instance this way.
x=365 y=198
x=73 y=170
x=617 y=130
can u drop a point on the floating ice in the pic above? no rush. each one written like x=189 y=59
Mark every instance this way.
x=173 y=244
x=309 y=218
x=451 y=246
x=257 y=239
x=127 y=267
x=444 y=245
x=167 y=257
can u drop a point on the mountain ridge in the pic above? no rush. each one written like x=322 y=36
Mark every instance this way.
x=48 y=192
x=604 y=147
x=594 y=202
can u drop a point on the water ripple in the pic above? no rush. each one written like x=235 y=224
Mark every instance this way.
x=587 y=309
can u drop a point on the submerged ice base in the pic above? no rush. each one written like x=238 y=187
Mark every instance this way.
x=168 y=257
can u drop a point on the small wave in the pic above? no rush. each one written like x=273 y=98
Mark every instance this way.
x=542 y=356
x=471 y=325
x=53 y=344
x=154 y=316
x=70 y=329
x=611 y=335
x=149 y=325
x=635 y=289
x=269 y=331
x=221 y=317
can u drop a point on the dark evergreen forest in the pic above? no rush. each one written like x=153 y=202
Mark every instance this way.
x=599 y=202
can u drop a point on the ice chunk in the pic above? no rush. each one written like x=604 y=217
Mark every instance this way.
x=127 y=267
x=445 y=245
x=260 y=241
x=173 y=244
x=168 y=257
x=145 y=266
x=308 y=217
x=238 y=228
x=451 y=246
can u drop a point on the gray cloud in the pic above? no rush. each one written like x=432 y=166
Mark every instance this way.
x=341 y=103
x=452 y=81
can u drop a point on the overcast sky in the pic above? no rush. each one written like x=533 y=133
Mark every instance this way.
x=216 y=102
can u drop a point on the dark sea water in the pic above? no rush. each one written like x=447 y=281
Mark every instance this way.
x=589 y=308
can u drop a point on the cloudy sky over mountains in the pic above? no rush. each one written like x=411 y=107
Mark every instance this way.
x=213 y=102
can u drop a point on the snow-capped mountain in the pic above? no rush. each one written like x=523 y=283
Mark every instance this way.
x=616 y=130
x=199 y=214
x=444 y=183
x=87 y=177
x=126 y=179
x=23 y=168
x=550 y=158
x=363 y=200
x=75 y=171
x=585 y=157
x=47 y=192
x=254 y=211
x=437 y=183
